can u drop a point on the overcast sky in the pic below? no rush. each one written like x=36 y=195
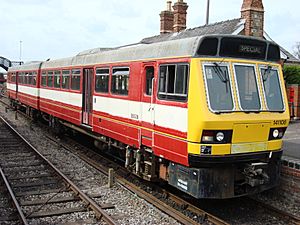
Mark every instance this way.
x=62 y=28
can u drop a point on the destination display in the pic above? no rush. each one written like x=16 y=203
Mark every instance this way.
x=239 y=47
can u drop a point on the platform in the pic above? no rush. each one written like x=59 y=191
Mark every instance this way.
x=291 y=146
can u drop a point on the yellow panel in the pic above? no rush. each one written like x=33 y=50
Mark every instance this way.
x=275 y=145
x=223 y=149
x=249 y=147
x=256 y=132
x=194 y=148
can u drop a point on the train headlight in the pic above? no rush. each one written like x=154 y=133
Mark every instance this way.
x=220 y=136
x=216 y=136
x=207 y=136
x=275 y=133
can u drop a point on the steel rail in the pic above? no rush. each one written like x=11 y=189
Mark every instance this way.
x=279 y=212
x=100 y=213
x=13 y=197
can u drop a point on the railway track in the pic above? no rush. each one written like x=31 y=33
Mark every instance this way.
x=292 y=219
x=176 y=207
x=182 y=211
x=36 y=186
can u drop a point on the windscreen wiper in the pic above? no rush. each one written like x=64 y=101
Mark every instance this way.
x=267 y=72
x=221 y=74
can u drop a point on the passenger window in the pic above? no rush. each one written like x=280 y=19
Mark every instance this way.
x=57 y=79
x=34 y=78
x=149 y=78
x=50 y=79
x=102 y=78
x=120 y=81
x=173 y=81
x=44 y=79
x=75 y=79
x=65 y=79
x=30 y=78
x=20 y=78
x=26 y=78
x=13 y=78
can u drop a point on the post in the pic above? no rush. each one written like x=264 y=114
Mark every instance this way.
x=20 y=50
x=111 y=178
x=207 y=12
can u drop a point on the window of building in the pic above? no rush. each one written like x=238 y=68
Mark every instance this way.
x=173 y=81
x=65 y=79
x=102 y=79
x=75 y=79
x=50 y=79
x=57 y=79
x=149 y=78
x=44 y=79
x=120 y=81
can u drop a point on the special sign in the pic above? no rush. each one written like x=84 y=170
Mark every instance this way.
x=250 y=49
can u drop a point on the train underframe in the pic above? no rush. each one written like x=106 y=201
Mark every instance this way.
x=215 y=177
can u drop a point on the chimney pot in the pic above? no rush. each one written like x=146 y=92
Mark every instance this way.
x=180 y=8
x=169 y=5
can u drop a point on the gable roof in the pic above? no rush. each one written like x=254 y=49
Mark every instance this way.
x=234 y=26
x=224 y=27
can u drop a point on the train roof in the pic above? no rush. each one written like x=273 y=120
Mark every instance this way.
x=184 y=47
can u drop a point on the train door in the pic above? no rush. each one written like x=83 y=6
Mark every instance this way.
x=148 y=102
x=87 y=96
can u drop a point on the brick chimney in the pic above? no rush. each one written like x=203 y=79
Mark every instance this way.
x=167 y=19
x=180 y=8
x=253 y=13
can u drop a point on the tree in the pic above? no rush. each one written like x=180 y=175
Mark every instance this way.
x=297 y=50
x=291 y=74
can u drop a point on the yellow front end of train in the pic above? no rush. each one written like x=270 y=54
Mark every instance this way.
x=249 y=128
x=237 y=116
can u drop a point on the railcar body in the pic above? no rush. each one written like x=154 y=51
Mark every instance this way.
x=207 y=114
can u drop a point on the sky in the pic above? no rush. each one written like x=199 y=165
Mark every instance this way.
x=62 y=28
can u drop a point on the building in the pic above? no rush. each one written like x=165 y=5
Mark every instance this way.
x=251 y=23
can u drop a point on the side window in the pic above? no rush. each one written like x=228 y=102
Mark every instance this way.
x=50 y=79
x=13 y=77
x=120 y=81
x=149 y=77
x=44 y=79
x=30 y=78
x=75 y=79
x=20 y=78
x=173 y=81
x=57 y=79
x=34 y=78
x=65 y=79
x=102 y=78
x=26 y=78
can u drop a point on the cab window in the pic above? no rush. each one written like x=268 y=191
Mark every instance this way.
x=173 y=81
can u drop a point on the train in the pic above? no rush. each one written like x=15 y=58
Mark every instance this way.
x=204 y=114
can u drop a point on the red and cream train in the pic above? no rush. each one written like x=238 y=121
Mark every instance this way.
x=206 y=114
